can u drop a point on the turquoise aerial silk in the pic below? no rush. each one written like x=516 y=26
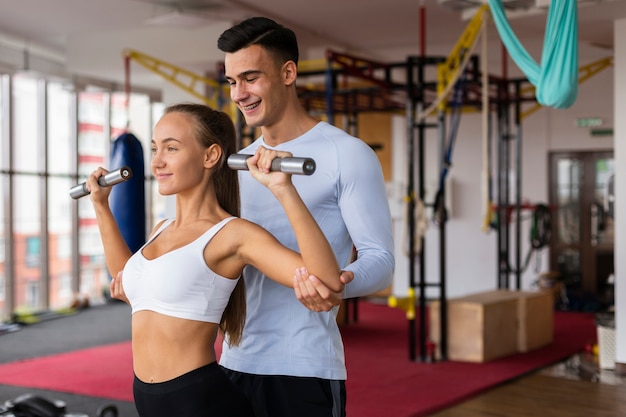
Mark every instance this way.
x=556 y=80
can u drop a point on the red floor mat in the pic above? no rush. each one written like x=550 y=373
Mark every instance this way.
x=382 y=381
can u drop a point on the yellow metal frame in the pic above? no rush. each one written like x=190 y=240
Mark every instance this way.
x=177 y=76
x=406 y=303
x=449 y=70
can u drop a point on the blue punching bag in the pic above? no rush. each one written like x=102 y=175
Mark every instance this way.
x=127 y=199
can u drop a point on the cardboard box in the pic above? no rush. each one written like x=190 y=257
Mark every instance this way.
x=481 y=327
x=494 y=324
x=535 y=314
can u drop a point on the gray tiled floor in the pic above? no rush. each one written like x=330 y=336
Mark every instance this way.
x=97 y=325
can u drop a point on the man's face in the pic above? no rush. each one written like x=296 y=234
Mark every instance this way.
x=256 y=85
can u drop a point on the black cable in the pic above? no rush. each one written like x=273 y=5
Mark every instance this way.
x=540 y=232
x=541 y=229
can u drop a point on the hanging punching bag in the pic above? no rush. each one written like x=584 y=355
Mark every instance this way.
x=127 y=199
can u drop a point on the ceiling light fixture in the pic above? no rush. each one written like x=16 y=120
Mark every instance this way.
x=178 y=19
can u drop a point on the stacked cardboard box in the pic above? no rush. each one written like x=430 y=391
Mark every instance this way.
x=494 y=324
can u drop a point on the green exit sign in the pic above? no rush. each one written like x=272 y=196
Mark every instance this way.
x=588 y=122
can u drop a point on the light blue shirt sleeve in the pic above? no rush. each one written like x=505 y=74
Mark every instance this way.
x=365 y=209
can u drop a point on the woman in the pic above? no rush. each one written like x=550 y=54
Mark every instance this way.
x=184 y=284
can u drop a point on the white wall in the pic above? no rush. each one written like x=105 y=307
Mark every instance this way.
x=91 y=53
x=620 y=193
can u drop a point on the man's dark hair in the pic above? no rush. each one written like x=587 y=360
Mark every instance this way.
x=275 y=38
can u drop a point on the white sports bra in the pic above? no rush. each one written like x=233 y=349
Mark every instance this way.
x=178 y=283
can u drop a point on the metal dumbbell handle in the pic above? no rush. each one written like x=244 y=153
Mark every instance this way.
x=108 y=180
x=289 y=165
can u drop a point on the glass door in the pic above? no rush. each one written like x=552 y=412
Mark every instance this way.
x=581 y=192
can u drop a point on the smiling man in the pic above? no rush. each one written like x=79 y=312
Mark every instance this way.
x=290 y=361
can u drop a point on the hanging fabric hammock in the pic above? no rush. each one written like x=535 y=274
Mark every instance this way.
x=556 y=80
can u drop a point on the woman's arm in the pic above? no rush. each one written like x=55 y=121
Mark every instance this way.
x=116 y=251
x=316 y=254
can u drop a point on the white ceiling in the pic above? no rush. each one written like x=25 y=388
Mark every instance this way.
x=89 y=35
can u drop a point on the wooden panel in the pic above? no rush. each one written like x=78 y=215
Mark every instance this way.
x=540 y=395
x=374 y=128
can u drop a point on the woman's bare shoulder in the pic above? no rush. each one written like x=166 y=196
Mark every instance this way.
x=241 y=232
x=239 y=225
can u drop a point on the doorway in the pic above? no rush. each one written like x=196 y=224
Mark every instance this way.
x=581 y=249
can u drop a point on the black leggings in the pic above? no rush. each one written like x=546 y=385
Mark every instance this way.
x=203 y=392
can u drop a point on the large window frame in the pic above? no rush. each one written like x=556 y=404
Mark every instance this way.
x=55 y=258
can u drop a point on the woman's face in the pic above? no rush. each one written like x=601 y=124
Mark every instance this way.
x=177 y=156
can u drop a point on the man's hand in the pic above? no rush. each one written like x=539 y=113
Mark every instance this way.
x=316 y=296
x=116 y=288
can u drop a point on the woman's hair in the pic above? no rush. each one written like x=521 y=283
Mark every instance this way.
x=216 y=127
x=280 y=41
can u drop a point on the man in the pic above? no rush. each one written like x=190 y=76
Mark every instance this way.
x=291 y=360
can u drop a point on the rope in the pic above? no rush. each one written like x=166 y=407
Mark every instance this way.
x=440 y=212
x=127 y=90
x=421 y=225
x=486 y=171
